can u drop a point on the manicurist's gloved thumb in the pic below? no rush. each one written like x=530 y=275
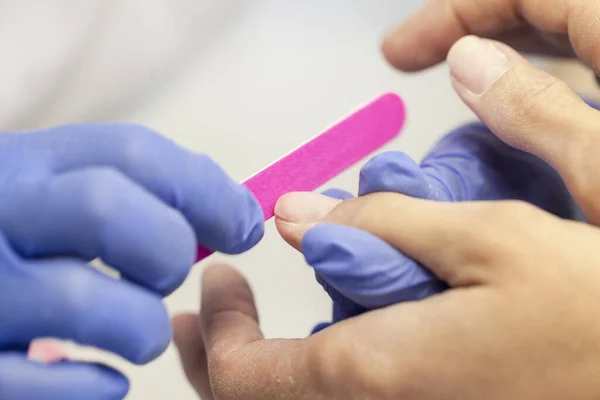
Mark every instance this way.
x=351 y=264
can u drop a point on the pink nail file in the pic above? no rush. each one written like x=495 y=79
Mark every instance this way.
x=327 y=155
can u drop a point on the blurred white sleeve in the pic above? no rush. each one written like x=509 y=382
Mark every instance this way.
x=74 y=60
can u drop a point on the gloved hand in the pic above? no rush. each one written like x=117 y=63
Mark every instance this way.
x=361 y=272
x=119 y=193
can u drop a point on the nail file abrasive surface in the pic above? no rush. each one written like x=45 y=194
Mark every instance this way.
x=327 y=155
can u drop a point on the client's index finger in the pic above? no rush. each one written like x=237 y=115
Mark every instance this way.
x=328 y=154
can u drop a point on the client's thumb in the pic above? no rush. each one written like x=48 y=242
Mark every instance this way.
x=533 y=111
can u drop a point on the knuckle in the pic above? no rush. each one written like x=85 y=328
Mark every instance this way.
x=547 y=104
x=513 y=209
x=478 y=226
x=498 y=214
x=531 y=104
x=100 y=192
x=76 y=288
x=137 y=142
x=338 y=375
x=86 y=313
x=220 y=367
x=499 y=230
x=515 y=212
x=350 y=212
x=537 y=102
x=330 y=357
x=175 y=278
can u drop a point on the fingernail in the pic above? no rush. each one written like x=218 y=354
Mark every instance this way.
x=477 y=64
x=304 y=207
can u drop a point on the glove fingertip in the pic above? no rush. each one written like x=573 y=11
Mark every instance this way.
x=393 y=172
x=360 y=271
x=151 y=350
x=250 y=226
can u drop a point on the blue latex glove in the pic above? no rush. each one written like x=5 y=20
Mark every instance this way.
x=361 y=272
x=119 y=193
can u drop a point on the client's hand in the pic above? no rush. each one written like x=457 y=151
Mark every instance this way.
x=526 y=109
x=518 y=323
x=563 y=28
x=468 y=164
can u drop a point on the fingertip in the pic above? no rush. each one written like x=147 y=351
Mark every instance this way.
x=394 y=172
x=220 y=271
x=392 y=50
x=150 y=334
x=106 y=382
x=289 y=233
x=175 y=256
x=478 y=64
x=408 y=48
x=225 y=215
x=224 y=287
x=157 y=343
x=295 y=213
x=304 y=207
x=501 y=87
x=251 y=227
